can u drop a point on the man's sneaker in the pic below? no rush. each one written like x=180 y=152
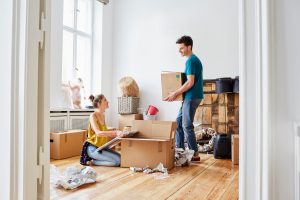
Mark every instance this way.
x=195 y=159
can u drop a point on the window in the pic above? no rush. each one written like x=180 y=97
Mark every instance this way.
x=77 y=54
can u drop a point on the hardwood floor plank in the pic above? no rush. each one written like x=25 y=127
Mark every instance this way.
x=232 y=192
x=210 y=179
x=145 y=186
x=211 y=184
x=105 y=175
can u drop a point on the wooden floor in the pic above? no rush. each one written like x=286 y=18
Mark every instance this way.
x=210 y=179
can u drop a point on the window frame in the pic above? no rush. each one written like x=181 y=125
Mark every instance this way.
x=75 y=32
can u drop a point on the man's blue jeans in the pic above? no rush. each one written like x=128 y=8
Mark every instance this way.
x=185 y=127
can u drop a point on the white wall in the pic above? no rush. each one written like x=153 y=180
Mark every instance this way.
x=6 y=17
x=144 y=37
x=287 y=95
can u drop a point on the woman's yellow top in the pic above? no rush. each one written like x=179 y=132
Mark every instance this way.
x=93 y=138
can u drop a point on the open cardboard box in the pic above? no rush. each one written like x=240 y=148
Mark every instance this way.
x=154 y=143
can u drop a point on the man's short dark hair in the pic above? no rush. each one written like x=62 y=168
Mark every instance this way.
x=186 y=40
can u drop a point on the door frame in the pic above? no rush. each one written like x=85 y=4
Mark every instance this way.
x=29 y=121
x=255 y=58
x=256 y=119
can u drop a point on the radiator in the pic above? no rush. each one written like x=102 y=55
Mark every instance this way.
x=79 y=122
x=58 y=123
x=62 y=120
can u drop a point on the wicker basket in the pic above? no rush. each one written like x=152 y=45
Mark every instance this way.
x=128 y=105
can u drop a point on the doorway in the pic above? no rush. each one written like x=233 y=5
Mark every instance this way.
x=253 y=50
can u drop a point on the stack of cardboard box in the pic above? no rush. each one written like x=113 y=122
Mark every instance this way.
x=235 y=149
x=218 y=111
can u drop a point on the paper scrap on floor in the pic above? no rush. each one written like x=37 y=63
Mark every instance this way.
x=72 y=177
x=147 y=170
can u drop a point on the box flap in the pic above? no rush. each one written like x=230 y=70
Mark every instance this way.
x=146 y=139
x=144 y=128
x=154 y=129
x=69 y=132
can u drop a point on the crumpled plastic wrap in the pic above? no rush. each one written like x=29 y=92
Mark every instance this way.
x=147 y=170
x=207 y=147
x=205 y=133
x=72 y=177
x=183 y=157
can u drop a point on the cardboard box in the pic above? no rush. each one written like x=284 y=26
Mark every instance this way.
x=235 y=149
x=153 y=144
x=126 y=120
x=170 y=82
x=67 y=144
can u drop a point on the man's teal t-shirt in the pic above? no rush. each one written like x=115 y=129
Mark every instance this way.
x=193 y=66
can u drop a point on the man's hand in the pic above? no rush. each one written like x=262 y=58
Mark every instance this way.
x=171 y=97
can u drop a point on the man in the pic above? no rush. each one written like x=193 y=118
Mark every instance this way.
x=192 y=91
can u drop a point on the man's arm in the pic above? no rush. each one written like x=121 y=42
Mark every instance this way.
x=185 y=87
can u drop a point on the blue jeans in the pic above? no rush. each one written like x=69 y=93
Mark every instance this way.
x=185 y=127
x=105 y=157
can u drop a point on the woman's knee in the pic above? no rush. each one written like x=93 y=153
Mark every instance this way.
x=117 y=159
x=112 y=155
x=118 y=162
x=91 y=151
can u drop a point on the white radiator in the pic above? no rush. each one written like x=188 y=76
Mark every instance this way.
x=61 y=120
x=58 y=123
x=79 y=122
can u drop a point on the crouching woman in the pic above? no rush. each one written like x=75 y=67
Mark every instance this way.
x=98 y=135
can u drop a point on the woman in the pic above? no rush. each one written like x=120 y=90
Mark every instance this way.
x=98 y=134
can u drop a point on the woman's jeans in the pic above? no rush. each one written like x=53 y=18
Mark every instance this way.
x=185 y=127
x=105 y=157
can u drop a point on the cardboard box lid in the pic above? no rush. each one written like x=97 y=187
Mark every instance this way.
x=69 y=132
x=146 y=139
x=154 y=129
